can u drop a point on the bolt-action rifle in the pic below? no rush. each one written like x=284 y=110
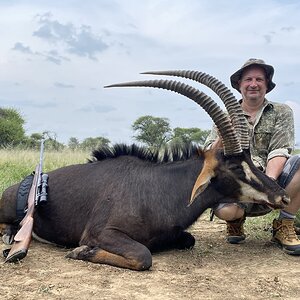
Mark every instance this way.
x=37 y=196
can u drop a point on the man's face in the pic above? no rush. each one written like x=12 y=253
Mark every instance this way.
x=253 y=83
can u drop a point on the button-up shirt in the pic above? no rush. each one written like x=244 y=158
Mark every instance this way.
x=271 y=134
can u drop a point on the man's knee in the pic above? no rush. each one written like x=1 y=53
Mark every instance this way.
x=293 y=188
x=229 y=212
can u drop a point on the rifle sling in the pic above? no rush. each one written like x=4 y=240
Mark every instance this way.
x=22 y=197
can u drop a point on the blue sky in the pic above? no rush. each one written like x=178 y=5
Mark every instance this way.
x=56 y=56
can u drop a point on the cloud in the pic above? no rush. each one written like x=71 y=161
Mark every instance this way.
x=54 y=31
x=20 y=47
x=290 y=83
x=28 y=103
x=98 y=108
x=52 y=55
x=86 y=44
x=269 y=36
x=48 y=104
x=288 y=28
x=63 y=85
x=55 y=57
x=79 y=41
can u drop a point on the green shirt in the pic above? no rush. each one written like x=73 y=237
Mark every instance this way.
x=271 y=135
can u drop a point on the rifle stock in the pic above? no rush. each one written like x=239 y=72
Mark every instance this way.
x=21 y=242
x=23 y=237
x=23 y=232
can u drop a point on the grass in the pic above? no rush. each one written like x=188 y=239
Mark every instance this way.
x=260 y=227
x=15 y=165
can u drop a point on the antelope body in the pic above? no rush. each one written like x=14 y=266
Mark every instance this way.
x=129 y=202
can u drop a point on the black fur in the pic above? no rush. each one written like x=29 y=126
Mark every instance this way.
x=176 y=152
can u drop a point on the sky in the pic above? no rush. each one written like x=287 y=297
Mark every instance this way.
x=57 y=56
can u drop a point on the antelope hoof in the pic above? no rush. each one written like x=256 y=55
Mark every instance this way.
x=74 y=254
x=8 y=239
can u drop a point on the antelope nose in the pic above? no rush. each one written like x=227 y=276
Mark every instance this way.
x=285 y=200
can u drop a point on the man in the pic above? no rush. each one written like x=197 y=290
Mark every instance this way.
x=271 y=129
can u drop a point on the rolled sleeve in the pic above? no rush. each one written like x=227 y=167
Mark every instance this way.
x=279 y=152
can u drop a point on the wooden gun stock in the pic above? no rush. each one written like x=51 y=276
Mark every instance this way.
x=21 y=242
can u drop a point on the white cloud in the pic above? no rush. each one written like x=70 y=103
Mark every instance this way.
x=80 y=41
x=22 y=48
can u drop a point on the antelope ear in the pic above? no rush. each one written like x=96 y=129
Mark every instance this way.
x=206 y=174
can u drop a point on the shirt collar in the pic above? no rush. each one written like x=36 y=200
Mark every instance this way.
x=266 y=103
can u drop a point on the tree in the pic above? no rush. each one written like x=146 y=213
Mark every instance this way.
x=94 y=143
x=153 y=131
x=51 y=142
x=73 y=143
x=33 y=141
x=185 y=135
x=11 y=127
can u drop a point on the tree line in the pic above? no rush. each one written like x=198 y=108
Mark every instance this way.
x=154 y=132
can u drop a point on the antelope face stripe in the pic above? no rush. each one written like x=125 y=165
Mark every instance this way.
x=250 y=176
x=251 y=187
x=249 y=194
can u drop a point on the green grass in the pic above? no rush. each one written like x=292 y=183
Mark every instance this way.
x=15 y=165
x=260 y=227
x=296 y=151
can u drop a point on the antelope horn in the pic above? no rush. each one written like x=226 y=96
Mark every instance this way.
x=222 y=121
x=234 y=109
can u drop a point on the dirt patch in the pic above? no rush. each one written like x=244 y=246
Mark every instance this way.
x=213 y=269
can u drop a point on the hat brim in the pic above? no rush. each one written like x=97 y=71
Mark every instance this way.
x=235 y=78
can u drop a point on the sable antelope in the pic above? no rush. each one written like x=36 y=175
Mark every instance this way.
x=129 y=201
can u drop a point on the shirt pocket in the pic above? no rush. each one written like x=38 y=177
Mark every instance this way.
x=262 y=140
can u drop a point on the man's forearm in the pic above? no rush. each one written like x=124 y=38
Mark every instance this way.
x=275 y=166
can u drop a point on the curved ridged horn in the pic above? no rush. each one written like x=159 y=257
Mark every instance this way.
x=229 y=138
x=232 y=106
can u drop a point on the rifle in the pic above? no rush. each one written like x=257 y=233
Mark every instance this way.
x=37 y=195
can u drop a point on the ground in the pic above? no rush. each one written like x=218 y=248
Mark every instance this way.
x=213 y=269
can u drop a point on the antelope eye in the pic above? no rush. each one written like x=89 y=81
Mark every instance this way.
x=236 y=169
x=233 y=167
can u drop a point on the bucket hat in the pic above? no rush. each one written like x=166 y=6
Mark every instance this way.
x=234 y=78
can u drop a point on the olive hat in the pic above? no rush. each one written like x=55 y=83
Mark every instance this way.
x=234 y=78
